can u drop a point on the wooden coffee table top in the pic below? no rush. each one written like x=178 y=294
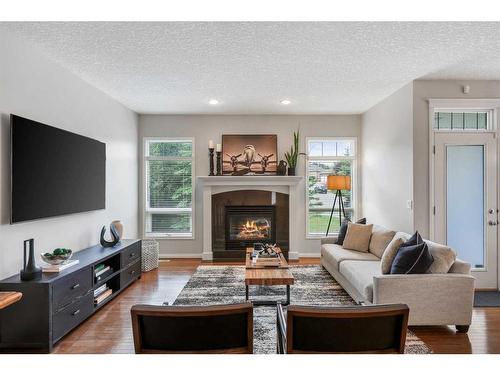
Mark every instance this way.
x=268 y=276
x=8 y=298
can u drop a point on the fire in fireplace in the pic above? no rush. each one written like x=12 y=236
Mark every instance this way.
x=248 y=224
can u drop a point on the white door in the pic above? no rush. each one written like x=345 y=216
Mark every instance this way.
x=465 y=199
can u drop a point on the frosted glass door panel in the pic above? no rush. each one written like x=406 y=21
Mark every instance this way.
x=465 y=202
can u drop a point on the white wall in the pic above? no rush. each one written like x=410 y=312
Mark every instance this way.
x=424 y=90
x=203 y=128
x=387 y=160
x=33 y=86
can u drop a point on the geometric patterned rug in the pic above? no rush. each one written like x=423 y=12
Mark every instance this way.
x=313 y=286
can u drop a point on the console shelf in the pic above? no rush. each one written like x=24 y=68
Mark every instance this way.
x=57 y=303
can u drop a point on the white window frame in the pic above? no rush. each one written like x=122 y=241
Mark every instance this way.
x=148 y=210
x=354 y=176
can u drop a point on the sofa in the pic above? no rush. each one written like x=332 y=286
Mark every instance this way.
x=443 y=297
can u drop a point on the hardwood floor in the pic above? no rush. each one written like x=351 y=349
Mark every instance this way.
x=110 y=330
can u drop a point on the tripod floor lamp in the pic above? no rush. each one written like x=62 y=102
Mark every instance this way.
x=338 y=183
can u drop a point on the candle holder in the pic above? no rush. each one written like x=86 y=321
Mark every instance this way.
x=211 y=158
x=219 y=163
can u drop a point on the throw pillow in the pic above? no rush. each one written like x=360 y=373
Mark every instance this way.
x=381 y=237
x=444 y=257
x=343 y=229
x=389 y=254
x=412 y=258
x=358 y=237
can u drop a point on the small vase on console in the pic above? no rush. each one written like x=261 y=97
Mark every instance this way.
x=30 y=271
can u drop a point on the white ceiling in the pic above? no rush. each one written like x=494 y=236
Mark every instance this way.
x=249 y=67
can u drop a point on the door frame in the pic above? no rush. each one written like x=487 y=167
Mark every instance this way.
x=490 y=105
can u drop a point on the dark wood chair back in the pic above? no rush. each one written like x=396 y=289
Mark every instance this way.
x=360 y=329
x=190 y=329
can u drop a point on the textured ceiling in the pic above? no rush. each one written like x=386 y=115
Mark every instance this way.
x=321 y=67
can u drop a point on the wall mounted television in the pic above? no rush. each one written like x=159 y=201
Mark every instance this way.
x=54 y=172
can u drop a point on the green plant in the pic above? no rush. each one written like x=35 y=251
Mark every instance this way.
x=292 y=156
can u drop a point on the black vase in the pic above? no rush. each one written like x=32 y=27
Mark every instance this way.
x=30 y=270
x=291 y=171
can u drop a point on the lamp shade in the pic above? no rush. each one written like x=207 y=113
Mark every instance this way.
x=334 y=182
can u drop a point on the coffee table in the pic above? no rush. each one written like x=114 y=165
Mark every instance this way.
x=263 y=275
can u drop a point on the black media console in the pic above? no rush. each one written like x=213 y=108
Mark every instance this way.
x=58 y=302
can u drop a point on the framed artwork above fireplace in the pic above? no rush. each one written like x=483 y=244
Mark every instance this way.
x=249 y=154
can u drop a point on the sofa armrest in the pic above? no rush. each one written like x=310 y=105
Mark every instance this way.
x=460 y=267
x=329 y=240
x=432 y=298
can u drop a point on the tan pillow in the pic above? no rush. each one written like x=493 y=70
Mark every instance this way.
x=358 y=237
x=380 y=239
x=444 y=257
x=390 y=253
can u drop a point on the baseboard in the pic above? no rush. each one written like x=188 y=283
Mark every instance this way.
x=310 y=255
x=181 y=255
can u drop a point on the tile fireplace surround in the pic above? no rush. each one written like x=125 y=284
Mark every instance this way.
x=211 y=185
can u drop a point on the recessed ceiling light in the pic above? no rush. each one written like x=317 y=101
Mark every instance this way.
x=285 y=101
x=213 y=102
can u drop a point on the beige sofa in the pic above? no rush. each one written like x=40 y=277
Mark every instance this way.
x=433 y=298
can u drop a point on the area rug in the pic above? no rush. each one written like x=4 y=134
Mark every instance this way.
x=487 y=299
x=313 y=286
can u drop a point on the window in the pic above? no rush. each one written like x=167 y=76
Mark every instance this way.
x=169 y=171
x=328 y=156
x=453 y=120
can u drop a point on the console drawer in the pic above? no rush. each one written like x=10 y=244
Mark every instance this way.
x=129 y=274
x=130 y=254
x=74 y=285
x=72 y=315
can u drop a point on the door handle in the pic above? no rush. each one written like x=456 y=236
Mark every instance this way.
x=492 y=223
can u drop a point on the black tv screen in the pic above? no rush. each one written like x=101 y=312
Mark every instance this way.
x=54 y=172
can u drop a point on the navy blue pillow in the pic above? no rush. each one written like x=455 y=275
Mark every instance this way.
x=412 y=257
x=343 y=229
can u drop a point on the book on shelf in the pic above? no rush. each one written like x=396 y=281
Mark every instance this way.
x=102 y=296
x=100 y=290
x=99 y=267
x=102 y=271
x=59 y=267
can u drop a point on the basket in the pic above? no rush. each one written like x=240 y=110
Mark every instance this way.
x=150 y=255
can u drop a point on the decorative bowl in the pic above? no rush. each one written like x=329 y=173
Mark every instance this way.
x=58 y=256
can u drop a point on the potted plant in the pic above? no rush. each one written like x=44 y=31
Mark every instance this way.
x=293 y=155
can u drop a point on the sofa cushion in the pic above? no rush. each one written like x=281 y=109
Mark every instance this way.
x=413 y=257
x=343 y=229
x=444 y=257
x=358 y=237
x=360 y=275
x=390 y=252
x=381 y=237
x=335 y=254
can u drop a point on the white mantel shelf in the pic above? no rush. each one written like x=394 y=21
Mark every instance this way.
x=250 y=180
x=211 y=185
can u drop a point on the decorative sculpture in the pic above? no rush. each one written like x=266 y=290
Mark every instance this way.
x=114 y=235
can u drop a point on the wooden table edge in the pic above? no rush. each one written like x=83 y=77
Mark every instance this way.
x=8 y=298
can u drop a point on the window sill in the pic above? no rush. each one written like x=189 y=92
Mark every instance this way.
x=166 y=237
x=320 y=236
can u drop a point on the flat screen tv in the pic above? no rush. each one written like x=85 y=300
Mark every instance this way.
x=54 y=172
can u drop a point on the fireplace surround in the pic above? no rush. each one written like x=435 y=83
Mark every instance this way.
x=221 y=191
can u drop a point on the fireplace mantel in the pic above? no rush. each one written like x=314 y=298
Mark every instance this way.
x=250 y=180
x=211 y=185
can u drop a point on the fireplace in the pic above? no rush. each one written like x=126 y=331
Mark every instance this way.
x=246 y=225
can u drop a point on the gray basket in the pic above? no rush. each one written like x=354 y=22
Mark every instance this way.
x=150 y=255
